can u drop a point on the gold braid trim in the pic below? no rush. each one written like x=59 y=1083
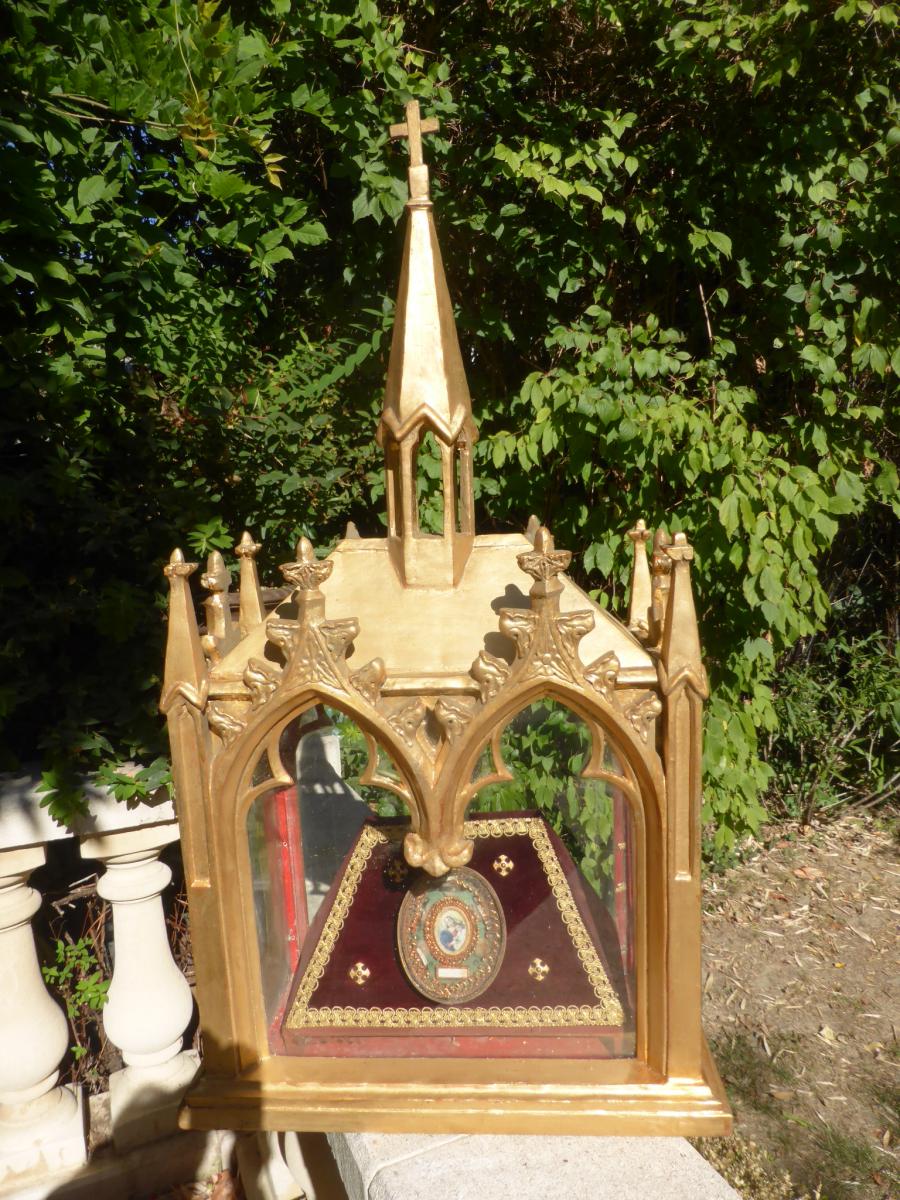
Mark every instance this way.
x=369 y=839
x=608 y=1010
x=568 y=910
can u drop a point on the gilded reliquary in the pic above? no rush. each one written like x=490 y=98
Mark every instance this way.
x=440 y=810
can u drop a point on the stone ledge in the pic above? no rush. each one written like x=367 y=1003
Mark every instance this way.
x=484 y=1167
x=145 y=1171
x=54 y=1142
x=23 y=822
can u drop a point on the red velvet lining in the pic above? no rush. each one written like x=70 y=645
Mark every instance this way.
x=535 y=929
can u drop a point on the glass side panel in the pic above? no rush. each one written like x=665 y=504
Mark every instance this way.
x=275 y=865
x=332 y=809
x=300 y=832
x=354 y=761
x=546 y=748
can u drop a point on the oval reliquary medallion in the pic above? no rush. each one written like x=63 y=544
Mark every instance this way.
x=451 y=935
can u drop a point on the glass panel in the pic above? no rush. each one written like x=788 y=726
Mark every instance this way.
x=546 y=747
x=354 y=759
x=278 y=904
x=610 y=760
x=300 y=832
x=526 y=951
x=482 y=769
x=331 y=810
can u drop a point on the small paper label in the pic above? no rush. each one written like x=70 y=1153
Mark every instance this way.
x=452 y=972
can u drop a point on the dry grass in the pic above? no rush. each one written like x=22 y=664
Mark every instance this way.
x=801 y=989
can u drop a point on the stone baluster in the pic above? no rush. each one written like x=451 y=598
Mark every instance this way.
x=149 y=1004
x=41 y=1123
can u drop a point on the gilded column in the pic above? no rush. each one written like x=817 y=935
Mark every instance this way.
x=684 y=686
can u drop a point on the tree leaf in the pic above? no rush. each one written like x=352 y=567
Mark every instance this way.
x=90 y=190
x=721 y=241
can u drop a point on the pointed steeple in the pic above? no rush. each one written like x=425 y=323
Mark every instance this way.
x=641 y=584
x=252 y=610
x=221 y=633
x=185 y=675
x=426 y=391
x=680 y=649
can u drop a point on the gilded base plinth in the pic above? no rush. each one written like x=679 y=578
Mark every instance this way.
x=441 y=1096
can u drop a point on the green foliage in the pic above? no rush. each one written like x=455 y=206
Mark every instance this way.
x=77 y=979
x=136 y=786
x=838 y=735
x=545 y=748
x=670 y=229
x=355 y=759
x=62 y=791
x=62 y=794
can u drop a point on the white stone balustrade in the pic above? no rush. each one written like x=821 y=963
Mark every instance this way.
x=149 y=1003
x=41 y=1124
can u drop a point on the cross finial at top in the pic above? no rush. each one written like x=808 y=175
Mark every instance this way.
x=413 y=128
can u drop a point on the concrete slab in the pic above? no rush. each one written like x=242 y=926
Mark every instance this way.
x=483 y=1167
x=360 y=1156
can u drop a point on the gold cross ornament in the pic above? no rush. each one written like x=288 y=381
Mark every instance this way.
x=359 y=973
x=413 y=128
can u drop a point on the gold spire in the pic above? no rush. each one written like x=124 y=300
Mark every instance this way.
x=426 y=381
x=641 y=583
x=221 y=633
x=252 y=610
x=426 y=391
x=185 y=675
x=680 y=649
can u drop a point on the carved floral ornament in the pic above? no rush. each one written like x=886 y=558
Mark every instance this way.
x=433 y=739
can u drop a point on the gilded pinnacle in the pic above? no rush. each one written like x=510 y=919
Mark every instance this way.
x=176 y=566
x=680 y=548
x=639 y=612
x=185 y=670
x=544 y=563
x=640 y=533
x=217 y=577
x=252 y=611
x=306 y=572
x=426 y=382
x=246 y=547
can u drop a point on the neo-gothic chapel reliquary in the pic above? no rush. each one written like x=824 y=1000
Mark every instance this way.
x=440 y=809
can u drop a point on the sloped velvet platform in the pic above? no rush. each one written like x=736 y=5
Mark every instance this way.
x=578 y=1007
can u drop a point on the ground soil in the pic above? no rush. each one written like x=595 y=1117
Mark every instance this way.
x=801 y=986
